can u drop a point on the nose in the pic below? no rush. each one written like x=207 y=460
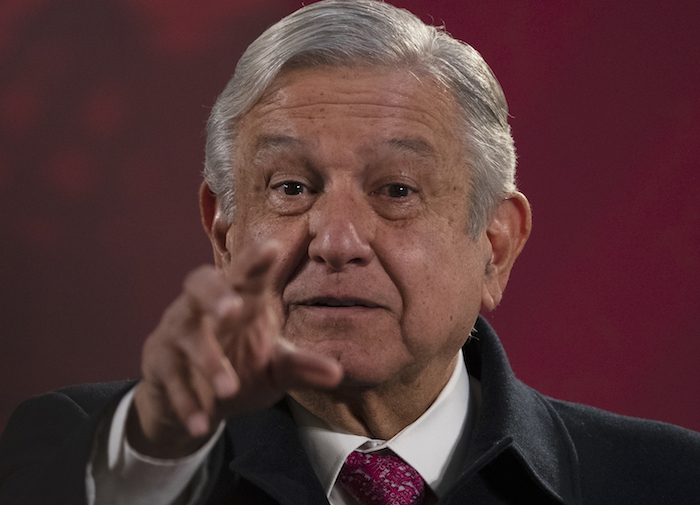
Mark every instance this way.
x=341 y=227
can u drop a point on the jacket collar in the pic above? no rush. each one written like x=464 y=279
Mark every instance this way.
x=267 y=451
x=516 y=426
x=519 y=442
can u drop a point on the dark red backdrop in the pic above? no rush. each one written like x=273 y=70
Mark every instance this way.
x=102 y=108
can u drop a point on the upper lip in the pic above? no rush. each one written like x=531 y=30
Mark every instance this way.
x=332 y=301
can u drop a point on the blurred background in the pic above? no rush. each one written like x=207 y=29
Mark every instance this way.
x=102 y=111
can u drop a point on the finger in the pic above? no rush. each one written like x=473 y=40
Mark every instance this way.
x=194 y=336
x=175 y=376
x=194 y=419
x=253 y=266
x=294 y=368
x=208 y=359
x=207 y=291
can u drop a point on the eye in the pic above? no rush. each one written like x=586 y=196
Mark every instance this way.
x=290 y=196
x=397 y=197
x=290 y=188
x=396 y=190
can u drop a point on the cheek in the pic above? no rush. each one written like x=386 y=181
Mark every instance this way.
x=440 y=283
x=248 y=227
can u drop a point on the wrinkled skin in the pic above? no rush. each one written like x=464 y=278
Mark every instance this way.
x=346 y=279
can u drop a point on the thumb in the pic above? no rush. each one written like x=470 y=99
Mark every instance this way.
x=294 y=368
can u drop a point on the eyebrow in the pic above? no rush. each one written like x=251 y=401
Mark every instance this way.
x=268 y=146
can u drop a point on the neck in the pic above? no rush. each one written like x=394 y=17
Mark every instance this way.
x=380 y=411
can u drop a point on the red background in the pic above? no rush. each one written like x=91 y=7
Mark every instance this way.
x=102 y=109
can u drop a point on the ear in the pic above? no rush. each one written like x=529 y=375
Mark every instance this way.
x=506 y=234
x=215 y=224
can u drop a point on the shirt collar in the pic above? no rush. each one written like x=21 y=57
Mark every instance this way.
x=434 y=444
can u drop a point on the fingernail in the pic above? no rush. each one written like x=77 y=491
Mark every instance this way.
x=227 y=305
x=198 y=424
x=224 y=385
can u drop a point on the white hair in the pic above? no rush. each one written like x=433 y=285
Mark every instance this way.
x=371 y=33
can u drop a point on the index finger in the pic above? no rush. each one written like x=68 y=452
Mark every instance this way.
x=251 y=268
x=208 y=292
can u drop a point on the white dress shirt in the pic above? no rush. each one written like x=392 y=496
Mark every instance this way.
x=435 y=445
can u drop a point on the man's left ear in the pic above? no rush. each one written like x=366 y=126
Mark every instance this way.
x=214 y=223
x=506 y=234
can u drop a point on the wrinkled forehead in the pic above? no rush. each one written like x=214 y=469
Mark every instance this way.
x=354 y=122
x=370 y=98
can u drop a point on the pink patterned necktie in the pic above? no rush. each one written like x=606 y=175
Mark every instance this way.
x=381 y=479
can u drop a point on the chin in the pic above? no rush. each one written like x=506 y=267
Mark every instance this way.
x=365 y=368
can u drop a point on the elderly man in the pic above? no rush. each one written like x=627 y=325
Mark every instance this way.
x=360 y=201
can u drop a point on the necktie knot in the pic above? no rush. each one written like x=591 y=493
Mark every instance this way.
x=381 y=479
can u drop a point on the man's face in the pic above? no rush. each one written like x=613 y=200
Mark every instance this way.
x=360 y=174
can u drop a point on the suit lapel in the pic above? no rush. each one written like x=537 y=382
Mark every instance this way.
x=268 y=453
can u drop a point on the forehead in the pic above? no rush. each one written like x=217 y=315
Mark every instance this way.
x=365 y=107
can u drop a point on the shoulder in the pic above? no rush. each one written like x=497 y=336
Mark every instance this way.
x=46 y=443
x=46 y=420
x=57 y=411
x=625 y=456
x=88 y=397
x=589 y=425
x=84 y=396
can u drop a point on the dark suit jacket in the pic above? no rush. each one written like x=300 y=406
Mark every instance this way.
x=525 y=448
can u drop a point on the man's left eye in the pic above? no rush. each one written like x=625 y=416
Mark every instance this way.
x=291 y=188
x=396 y=190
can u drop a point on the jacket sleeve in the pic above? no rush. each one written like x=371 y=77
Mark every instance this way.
x=47 y=442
